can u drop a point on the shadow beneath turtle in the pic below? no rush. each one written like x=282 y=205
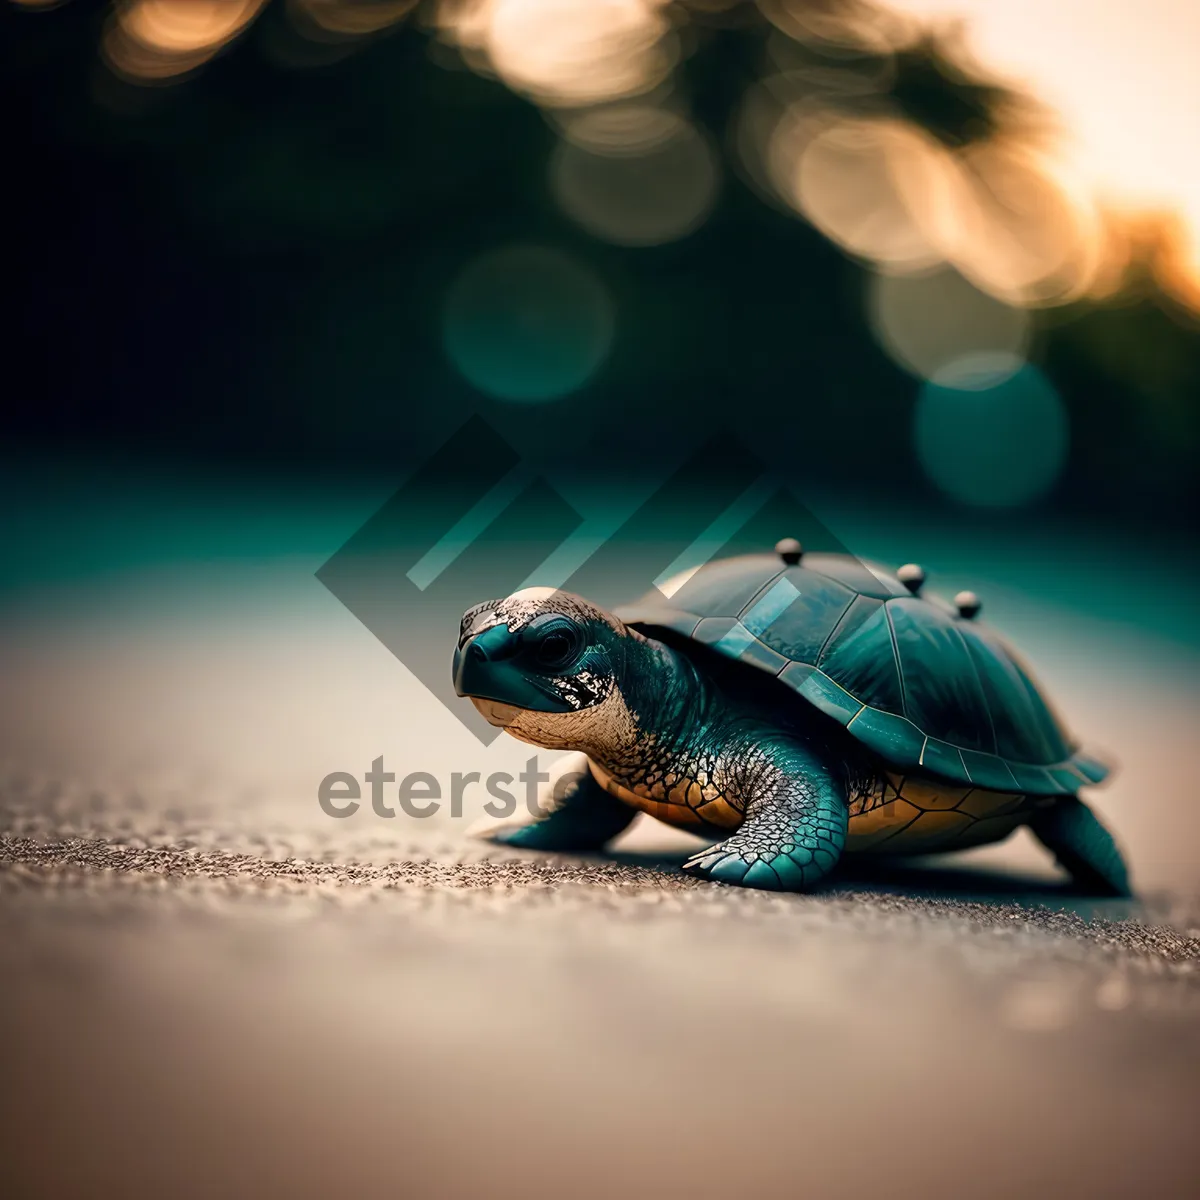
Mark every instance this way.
x=938 y=880
x=931 y=879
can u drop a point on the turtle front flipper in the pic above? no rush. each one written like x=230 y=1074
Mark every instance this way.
x=1082 y=846
x=581 y=816
x=795 y=825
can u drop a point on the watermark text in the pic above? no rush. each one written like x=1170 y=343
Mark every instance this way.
x=420 y=794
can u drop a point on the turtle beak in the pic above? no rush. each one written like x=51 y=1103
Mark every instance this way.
x=477 y=659
x=485 y=668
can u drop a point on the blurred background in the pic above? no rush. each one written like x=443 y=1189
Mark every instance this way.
x=936 y=263
x=943 y=253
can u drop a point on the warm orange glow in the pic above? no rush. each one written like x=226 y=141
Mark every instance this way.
x=1031 y=223
x=1177 y=265
x=184 y=26
x=880 y=188
x=1020 y=234
x=1159 y=243
x=619 y=128
x=928 y=323
x=1122 y=80
x=567 y=52
x=635 y=174
x=160 y=39
x=849 y=24
x=818 y=134
x=1011 y=220
x=352 y=18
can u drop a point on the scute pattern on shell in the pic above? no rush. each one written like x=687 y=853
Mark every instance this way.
x=907 y=676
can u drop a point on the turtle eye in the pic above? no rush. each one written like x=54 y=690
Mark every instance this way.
x=556 y=642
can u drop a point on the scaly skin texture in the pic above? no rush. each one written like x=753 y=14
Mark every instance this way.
x=672 y=743
x=794 y=829
x=696 y=745
x=707 y=744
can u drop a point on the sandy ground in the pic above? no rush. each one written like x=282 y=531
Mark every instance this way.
x=209 y=987
x=192 y=1010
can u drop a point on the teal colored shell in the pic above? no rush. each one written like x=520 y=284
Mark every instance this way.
x=906 y=675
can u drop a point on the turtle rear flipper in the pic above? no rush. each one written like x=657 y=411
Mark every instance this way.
x=1082 y=846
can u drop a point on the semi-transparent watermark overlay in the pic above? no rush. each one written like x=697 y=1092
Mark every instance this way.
x=422 y=794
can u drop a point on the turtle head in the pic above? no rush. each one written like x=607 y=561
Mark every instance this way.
x=545 y=665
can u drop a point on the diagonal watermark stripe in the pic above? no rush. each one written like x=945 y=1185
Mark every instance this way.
x=716 y=537
x=764 y=613
x=469 y=527
x=473 y=523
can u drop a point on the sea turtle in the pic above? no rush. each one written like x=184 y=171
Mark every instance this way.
x=793 y=705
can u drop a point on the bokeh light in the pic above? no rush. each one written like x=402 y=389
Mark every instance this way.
x=781 y=114
x=1121 y=79
x=839 y=25
x=1011 y=205
x=879 y=188
x=895 y=196
x=1024 y=211
x=637 y=176
x=528 y=323
x=348 y=18
x=989 y=442
x=929 y=322
x=158 y=40
x=1020 y=234
x=829 y=136
x=940 y=171
x=1177 y=264
x=566 y=52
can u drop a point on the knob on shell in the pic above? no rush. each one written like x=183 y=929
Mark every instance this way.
x=789 y=550
x=912 y=576
x=968 y=604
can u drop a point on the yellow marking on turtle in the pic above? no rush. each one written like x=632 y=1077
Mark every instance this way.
x=721 y=813
x=927 y=793
x=980 y=803
x=901 y=815
x=987 y=831
x=879 y=824
x=688 y=805
x=897 y=815
x=882 y=792
x=672 y=814
x=931 y=831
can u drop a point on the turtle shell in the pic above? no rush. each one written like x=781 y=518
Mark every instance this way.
x=906 y=674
